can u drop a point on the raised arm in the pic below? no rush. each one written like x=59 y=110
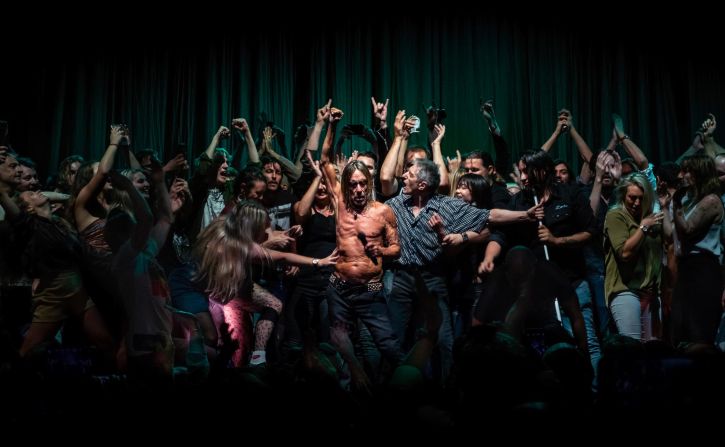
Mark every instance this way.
x=708 y=136
x=632 y=149
x=80 y=213
x=388 y=181
x=607 y=162
x=334 y=118
x=584 y=150
x=440 y=131
x=323 y=114
x=164 y=213
x=408 y=125
x=220 y=134
x=303 y=208
x=380 y=128
x=561 y=127
x=503 y=156
x=242 y=126
x=292 y=171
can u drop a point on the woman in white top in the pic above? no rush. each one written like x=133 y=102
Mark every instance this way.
x=697 y=212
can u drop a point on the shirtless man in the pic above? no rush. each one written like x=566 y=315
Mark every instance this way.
x=366 y=232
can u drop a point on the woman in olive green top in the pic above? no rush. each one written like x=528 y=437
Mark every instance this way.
x=633 y=247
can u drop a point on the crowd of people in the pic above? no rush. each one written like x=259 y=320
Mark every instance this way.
x=494 y=278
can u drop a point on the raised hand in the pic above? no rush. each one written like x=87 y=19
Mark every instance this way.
x=604 y=159
x=323 y=113
x=490 y=117
x=440 y=131
x=487 y=110
x=314 y=164
x=618 y=126
x=709 y=125
x=340 y=162
x=380 y=110
x=240 y=124
x=615 y=168
x=353 y=156
x=179 y=194
x=454 y=163
x=563 y=123
x=223 y=132
x=399 y=125
x=116 y=135
x=268 y=135
x=336 y=115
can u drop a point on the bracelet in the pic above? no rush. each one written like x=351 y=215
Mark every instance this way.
x=464 y=235
x=113 y=144
x=624 y=137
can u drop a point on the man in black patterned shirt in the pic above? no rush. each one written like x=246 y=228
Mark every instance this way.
x=426 y=221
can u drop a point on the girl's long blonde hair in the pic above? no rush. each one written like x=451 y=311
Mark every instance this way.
x=225 y=250
x=640 y=180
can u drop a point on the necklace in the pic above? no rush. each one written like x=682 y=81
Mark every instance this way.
x=355 y=213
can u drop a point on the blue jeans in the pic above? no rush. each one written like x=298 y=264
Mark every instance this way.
x=595 y=277
x=584 y=297
x=402 y=301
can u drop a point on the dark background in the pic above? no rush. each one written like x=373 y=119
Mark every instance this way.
x=176 y=80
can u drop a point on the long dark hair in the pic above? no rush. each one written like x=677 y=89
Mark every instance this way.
x=355 y=165
x=539 y=169
x=480 y=190
x=702 y=167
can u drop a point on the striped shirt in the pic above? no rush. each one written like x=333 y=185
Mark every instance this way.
x=419 y=244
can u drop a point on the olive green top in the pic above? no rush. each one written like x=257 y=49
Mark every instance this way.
x=642 y=271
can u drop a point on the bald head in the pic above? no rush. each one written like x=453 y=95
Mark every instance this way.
x=720 y=164
x=720 y=168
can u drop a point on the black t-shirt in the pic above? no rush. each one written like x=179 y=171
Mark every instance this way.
x=567 y=212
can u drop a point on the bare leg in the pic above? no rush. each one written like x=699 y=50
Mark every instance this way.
x=271 y=308
x=37 y=334
x=96 y=330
